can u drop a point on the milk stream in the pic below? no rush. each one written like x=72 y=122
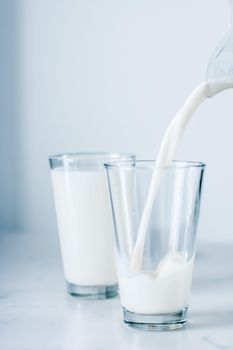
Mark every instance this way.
x=166 y=154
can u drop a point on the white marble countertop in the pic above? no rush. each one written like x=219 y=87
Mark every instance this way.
x=36 y=313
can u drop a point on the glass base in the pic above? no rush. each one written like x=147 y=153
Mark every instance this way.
x=92 y=292
x=159 y=322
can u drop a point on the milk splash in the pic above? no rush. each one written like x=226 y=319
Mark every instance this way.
x=166 y=153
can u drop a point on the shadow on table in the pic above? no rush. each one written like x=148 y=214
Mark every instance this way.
x=211 y=319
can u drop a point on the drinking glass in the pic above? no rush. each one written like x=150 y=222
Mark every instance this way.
x=85 y=223
x=156 y=295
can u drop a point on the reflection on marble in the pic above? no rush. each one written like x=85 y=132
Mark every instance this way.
x=37 y=314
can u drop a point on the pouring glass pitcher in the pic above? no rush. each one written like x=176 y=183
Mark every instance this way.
x=221 y=62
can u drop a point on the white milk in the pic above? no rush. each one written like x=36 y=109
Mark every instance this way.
x=85 y=226
x=163 y=291
x=167 y=150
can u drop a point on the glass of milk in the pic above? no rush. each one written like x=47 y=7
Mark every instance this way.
x=85 y=222
x=155 y=295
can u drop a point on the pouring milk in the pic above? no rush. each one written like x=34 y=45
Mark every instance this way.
x=175 y=269
x=166 y=290
x=166 y=153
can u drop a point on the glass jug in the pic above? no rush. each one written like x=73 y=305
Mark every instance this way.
x=221 y=62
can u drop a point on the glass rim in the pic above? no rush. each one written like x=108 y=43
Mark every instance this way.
x=151 y=164
x=80 y=157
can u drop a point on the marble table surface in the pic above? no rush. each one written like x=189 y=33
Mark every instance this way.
x=36 y=313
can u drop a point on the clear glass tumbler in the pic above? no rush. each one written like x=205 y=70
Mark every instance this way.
x=85 y=222
x=156 y=296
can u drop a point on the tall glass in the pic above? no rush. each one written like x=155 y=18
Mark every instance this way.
x=156 y=296
x=85 y=223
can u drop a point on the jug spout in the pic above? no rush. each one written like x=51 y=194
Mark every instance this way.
x=221 y=61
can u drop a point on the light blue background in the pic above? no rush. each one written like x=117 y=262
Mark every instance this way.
x=107 y=75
